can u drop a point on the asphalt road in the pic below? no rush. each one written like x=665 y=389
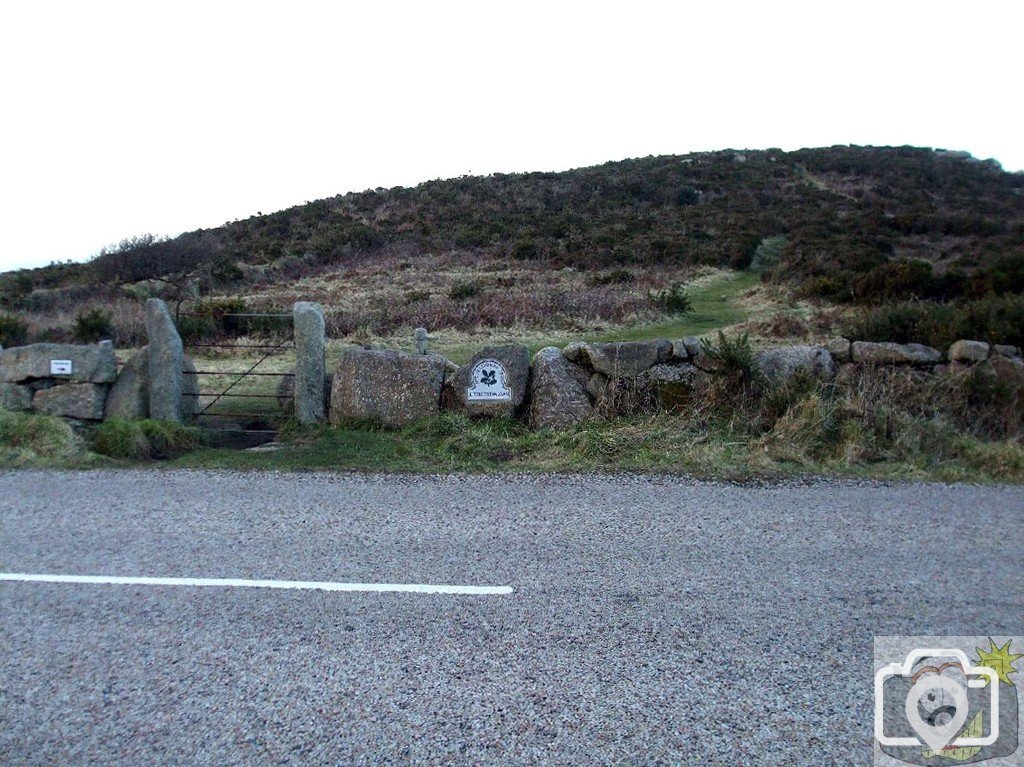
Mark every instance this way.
x=652 y=620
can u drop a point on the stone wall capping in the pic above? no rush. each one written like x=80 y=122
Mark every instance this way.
x=968 y=351
x=888 y=353
x=92 y=363
x=839 y=348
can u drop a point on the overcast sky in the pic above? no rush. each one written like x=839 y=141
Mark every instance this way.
x=163 y=117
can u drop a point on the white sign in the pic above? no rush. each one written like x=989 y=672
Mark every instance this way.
x=488 y=382
x=60 y=367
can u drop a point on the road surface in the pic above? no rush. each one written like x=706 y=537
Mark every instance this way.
x=649 y=620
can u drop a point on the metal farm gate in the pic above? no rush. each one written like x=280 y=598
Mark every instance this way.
x=237 y=403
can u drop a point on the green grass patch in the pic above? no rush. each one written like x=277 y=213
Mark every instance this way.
x=144 y=440
x=716 y=303
x=33 y=440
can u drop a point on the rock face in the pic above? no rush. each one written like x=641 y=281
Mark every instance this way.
x=558 y=395
x=391 y=387
x=968 y=351
x=888 y=353
x=310 y=362
x=94 y=363
x=670 y=387
x=781 y=364
x=129 y=396
x=494 y=382
x=84 y=401
x=624 y=359
x=166 y=361
x=15 y=396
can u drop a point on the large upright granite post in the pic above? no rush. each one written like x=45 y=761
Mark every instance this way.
x=166 y=362
x=310 y=362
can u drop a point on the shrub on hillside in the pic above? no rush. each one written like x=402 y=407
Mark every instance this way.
x=674 y=300
x=462 y=291
x=92 y=326
x=13 y=331
x=415 y=296
x=614 y=277
x=996 y=320
x=525 y=250
x=216 y=319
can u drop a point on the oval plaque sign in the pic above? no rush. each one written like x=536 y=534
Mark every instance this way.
x=488 y=382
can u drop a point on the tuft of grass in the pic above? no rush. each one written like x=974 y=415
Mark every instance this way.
x=32 y=439
x=144 y=439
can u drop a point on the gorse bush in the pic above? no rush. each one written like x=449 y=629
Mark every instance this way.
x=733 y=356
x=673 y=300
x=92 y=326
x=13 y=331
x=461 y=291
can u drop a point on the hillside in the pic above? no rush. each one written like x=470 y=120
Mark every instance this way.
x=854 y=225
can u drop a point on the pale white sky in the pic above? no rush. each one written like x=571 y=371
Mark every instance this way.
x=127 y=117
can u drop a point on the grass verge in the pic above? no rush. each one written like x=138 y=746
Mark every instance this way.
x=652 y=443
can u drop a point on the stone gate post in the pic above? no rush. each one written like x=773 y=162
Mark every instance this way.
x=310 y=362
x=166 y=362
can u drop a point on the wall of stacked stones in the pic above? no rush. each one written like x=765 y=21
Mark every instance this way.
x=554 y=389
x=561 y=387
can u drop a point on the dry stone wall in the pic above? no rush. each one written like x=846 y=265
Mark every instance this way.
x=562 y=387
x=556 y=389
x=59 y=379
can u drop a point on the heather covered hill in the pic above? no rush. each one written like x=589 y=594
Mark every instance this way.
x=855 y=225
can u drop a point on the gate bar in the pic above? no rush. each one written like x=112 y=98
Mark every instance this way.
x=215 y=393
x=217 y=315
x=284 y=345
x=230 y=373
x=238 y=380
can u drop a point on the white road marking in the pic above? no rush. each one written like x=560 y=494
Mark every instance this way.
x=117 y=580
